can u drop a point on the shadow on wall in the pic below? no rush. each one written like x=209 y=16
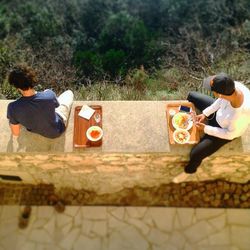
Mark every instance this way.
x=235 y=145
x=30 y=142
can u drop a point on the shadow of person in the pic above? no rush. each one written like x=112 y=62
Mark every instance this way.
x=10 y=145
x=236 y=146
x=31 y=142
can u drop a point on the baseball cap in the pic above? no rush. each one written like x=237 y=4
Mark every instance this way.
x=220 y=83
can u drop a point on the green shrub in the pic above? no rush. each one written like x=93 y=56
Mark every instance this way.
x=6 y=60
x=89 y=63
x=8 y=91
x=137 y=79
x=113 y=62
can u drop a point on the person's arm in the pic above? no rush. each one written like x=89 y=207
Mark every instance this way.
x=236 y=128
x=14 y=124
x=56 y=102
x=212 y=108
x=220 y=132
x=15 y=129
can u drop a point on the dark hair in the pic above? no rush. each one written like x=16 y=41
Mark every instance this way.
x=22 y=77
x=223 y=84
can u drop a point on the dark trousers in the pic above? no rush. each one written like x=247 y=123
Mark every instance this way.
x=208 y=144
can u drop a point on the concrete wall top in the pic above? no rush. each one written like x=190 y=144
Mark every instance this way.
x=129 y=127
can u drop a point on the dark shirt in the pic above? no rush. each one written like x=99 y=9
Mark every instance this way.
x=37 y=114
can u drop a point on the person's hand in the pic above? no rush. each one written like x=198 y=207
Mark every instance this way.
x=200 y=118
x=200 y=126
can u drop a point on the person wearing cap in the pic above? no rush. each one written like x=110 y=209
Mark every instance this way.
x=222 y=119
x=39 y=112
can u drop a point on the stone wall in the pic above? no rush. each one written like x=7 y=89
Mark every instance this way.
x=125 y=179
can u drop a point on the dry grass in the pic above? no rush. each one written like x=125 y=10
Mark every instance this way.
x=167 y=84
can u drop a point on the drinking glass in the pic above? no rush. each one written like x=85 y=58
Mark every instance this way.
x=97 y=117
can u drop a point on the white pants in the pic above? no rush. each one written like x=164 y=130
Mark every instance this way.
x=65 y=102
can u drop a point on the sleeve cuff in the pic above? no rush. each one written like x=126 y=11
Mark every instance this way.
x=205 y=112
x=206 y=129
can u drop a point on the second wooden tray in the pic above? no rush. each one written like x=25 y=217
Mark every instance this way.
x=194 y=132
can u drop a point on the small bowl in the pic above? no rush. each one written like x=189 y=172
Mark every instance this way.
x=94 y=133
x=181 y=136
x=172 y=112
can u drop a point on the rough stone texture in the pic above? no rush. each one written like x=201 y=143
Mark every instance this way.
x=171 y=195
x=109 y=173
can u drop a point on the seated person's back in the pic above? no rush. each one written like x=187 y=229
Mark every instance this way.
x=38 y=112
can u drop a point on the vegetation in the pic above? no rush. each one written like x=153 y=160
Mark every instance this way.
x=125 y=49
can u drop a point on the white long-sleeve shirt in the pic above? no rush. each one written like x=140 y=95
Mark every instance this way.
x=233 y=121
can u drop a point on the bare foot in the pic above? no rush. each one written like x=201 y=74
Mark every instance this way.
x=181 y=177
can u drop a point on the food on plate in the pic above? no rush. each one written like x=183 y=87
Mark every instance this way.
x=182 y=120
x=181 y=136
x=95 y=134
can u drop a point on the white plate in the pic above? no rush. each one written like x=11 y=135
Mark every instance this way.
x=184 y=134
x=94 y=128
x=179 y=121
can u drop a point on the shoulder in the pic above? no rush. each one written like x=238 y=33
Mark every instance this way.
x=12 y=108
x=246 y=92
x=242 y=87
x=220 y=101
x=14 y=104
x=46 y=94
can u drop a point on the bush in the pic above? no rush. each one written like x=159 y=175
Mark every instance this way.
x=88 y=63
x=137 y=79
x=112 y=39
x=42 y=24
x=113 y=62
x=6 y=60
x=124 y=43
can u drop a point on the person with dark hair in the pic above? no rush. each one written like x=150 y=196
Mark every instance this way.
x=222 y=119
x=39 y=112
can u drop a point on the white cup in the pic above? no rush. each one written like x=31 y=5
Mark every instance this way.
x=172 y=112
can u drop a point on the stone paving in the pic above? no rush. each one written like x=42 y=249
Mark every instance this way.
x=126 y=228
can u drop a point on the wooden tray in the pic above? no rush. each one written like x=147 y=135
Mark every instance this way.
x=194 y=132
x=81 y=125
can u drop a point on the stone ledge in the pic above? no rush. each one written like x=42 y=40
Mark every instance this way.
x=129 y=127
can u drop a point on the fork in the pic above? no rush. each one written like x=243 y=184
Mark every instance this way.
x=188 y=120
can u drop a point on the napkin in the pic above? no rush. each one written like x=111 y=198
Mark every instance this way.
x=86 y=112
